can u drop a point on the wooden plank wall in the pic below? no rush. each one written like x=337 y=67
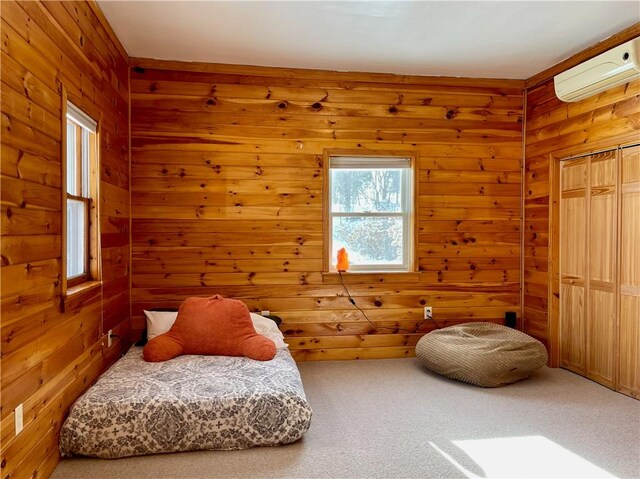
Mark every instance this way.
x=227 y=197
x=555 y=129
x=49 y=357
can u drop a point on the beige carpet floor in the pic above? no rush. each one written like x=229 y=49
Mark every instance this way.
x=393 y=419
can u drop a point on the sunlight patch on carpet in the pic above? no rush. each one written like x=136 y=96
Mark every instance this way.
x=526 y=456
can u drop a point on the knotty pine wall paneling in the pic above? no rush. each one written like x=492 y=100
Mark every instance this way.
x=556 y=130
x=48 y=357
x=227 y=197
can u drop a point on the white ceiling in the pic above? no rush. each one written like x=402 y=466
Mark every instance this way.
x=507 y=39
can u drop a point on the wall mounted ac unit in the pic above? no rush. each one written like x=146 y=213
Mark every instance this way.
x=615 y=67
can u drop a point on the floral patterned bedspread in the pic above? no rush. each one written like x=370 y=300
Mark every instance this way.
x=188 y=403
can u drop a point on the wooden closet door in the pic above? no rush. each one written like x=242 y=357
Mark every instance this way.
x=601 y=267
x=573 y=273
x=629 y=324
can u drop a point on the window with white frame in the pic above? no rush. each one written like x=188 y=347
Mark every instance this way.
x=80 y=199
x=370 y=212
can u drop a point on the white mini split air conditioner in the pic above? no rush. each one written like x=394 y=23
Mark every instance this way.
x=615 y=67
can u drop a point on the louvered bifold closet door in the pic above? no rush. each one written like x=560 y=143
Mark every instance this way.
x=629 y=329
x=588 y=259
x=600 y=267
x=573 y=273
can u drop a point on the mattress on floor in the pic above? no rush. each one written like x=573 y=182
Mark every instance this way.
x=188 y=403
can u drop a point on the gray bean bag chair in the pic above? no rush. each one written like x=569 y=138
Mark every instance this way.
x=484 y=354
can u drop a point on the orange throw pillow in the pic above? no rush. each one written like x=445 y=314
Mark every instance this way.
x=213 y=326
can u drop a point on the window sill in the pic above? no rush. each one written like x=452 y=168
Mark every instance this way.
x=78 y=294
x=355 y=277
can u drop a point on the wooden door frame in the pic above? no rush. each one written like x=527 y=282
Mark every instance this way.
x=553 y=291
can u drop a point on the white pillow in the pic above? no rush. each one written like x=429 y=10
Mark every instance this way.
x=268 y=328
x=159 y=322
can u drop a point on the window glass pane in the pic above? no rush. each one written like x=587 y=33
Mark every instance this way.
x=76 y=241
x=370 y=241
x=72 y=173
x=366 y=190
x=85 y=163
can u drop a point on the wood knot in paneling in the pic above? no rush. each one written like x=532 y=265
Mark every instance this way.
x=451 y=114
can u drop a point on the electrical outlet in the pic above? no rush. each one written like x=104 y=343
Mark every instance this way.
x=428 y=312
x=18 y=419
x=109 y=338
x=265 y=313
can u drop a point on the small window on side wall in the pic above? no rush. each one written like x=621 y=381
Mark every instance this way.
x=81 y=236
x=369 y=208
